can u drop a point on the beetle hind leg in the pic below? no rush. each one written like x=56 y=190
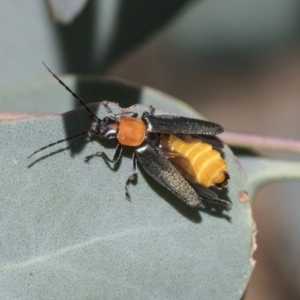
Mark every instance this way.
x=208 y=195
x=132 y=177
x=227 y=204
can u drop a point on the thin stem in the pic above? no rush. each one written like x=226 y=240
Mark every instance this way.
x=260 y=142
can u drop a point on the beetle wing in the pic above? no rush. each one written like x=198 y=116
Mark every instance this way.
x=180 y=125
x=208 y=139
x=211 y=139
x=160 y=168
x=208 y=195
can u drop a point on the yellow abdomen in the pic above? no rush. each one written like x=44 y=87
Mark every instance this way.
x=195 y=159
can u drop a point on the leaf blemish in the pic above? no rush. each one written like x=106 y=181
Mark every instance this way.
x=243 y=196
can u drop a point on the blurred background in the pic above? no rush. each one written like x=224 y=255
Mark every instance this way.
x=236 y=62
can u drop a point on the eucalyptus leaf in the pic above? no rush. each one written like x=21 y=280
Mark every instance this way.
x=67 y=231
x=262 y=171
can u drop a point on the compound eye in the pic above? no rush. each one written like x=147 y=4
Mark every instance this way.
x=106 y=120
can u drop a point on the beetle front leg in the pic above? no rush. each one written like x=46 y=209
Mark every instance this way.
x=115 y=158
x=105 y=104
x=132 y=177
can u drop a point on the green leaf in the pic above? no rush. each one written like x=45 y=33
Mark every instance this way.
x=67 y=231
x=262 y=171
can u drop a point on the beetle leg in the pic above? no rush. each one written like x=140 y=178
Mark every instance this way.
x=115 y=158
x=114 y=116
x=105 y=104
x=208 y=195
x=132 y=176
x=149 y=113
x=152 y=110
x=219 y=201
x=134 y=115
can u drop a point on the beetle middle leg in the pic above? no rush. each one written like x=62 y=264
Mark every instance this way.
x=147 y=113
x=132 y=177
x=115 y=158
x=152 y=110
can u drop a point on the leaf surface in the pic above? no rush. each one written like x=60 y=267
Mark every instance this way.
x=67 y=231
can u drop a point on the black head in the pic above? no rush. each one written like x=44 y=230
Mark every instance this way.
x=106 y=128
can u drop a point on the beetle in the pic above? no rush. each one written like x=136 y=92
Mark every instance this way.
x=182 y=154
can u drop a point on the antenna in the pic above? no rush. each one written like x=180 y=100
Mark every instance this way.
x=73 y=94
x=60 y=141
x=97 y=120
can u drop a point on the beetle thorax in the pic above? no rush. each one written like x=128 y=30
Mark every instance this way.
x=132 y=131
